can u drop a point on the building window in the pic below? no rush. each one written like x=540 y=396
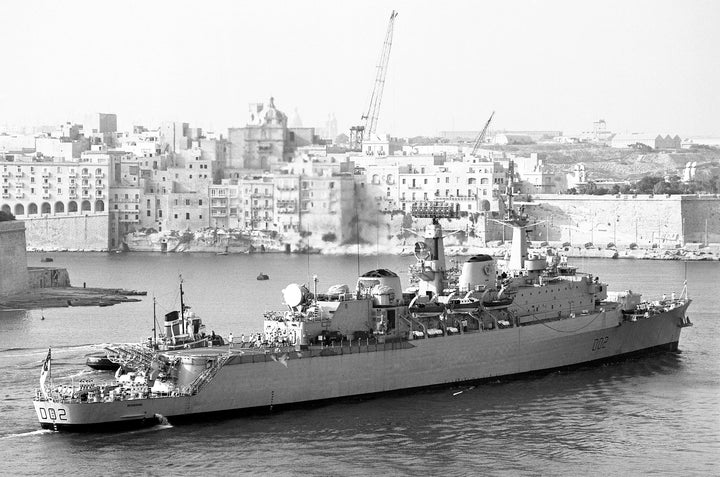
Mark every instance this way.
x=187 y=215
x=148 y=213
x=200 y=202
x=176 y=216
x=187 y=201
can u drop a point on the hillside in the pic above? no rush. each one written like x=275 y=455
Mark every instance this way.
x=622 y=164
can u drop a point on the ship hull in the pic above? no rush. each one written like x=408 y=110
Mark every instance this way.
x=361 y=371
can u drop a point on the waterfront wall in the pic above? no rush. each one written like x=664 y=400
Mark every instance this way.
x=646 y=220
x=13 y=258
x=701 y=219
x=88 y=232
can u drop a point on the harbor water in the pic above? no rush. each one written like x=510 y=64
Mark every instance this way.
x=656 y=414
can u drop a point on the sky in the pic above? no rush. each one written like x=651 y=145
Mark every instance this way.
x=643 y=66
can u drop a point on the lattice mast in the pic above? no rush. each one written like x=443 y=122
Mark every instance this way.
x=431 y=252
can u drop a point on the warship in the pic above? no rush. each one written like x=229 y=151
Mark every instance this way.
x=488 y=319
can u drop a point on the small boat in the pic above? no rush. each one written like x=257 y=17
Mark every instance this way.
x=262 y=276
x=100 y=361
x=46 y=259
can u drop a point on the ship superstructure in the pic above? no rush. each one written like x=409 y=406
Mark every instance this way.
x=493 y=319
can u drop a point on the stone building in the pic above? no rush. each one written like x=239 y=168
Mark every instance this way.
x=263 y=141
x=57 y=198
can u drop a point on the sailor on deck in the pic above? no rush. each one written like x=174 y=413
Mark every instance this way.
x=230 y=340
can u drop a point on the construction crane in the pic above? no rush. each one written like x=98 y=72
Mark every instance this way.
x=481 y=137
x=370 y=118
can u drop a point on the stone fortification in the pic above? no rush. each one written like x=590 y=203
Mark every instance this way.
x=13 y=259
x=48 y=277
x=82 y=232
x=645 y=220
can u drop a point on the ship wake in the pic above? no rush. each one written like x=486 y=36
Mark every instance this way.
x=27 y=434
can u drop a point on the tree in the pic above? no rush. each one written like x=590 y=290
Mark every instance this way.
x=647 y=183
x=6 y=216
x=661 y=187
x=329 y=237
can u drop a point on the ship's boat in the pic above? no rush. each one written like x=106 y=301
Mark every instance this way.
x=101 y=362
x=262 y=276
x=492 y=318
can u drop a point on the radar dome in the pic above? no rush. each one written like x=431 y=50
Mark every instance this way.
x=295 y=294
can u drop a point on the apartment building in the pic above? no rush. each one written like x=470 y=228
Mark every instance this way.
x=32 y=188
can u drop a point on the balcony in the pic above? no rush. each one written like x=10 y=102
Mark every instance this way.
x=46 y=195
x=72 y=175
x=19 y=194
x=219 y=213
x=19 y=183
x=6 y=174
x=46 y=185
x=131 y=219
x=6 y=196
x=45 y=174
x=85 y=175
x=73 y=196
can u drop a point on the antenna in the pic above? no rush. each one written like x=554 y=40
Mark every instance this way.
x=182 y=305
x=357 y=232
x=154 y=323
x=377 y=240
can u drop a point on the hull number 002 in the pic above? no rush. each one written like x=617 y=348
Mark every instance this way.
x=50 y=413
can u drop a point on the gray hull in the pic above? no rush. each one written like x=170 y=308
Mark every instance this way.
x=243 y=384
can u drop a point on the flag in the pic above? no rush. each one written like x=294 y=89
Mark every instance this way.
x=45 y=373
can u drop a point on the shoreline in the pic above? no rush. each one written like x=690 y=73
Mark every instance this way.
x=708 y=253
